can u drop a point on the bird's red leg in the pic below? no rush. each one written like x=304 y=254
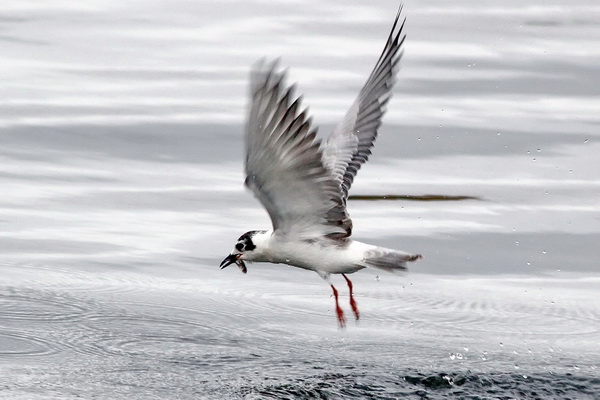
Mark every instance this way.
x=352 y=301
x=338 y=310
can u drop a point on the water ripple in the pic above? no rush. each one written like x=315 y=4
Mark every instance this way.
x=13 y=345
x=533 y=318
x=39 y=305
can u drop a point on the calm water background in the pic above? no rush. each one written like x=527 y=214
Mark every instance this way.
x=120 y=175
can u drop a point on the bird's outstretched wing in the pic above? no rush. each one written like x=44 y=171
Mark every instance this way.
x=284 y=164
x=349 y=146
x=303 y=185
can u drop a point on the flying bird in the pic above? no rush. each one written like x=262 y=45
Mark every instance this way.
x=303 y=182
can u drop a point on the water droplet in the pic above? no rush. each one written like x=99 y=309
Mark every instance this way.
x=570 y=171
x=465 y=348
x=543 y=251
x=539 y=150
x=377 y=278
x=533 y=158
x=516 y=366
x=498 y=133
x=287 y=260
x=528 y=152
x=418 y=138
x=501 y=344
x=585 y=141
x=516 y=242
x=528 y=263
x=452 y=356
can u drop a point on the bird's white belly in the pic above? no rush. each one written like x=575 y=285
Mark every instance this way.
x=321 y=256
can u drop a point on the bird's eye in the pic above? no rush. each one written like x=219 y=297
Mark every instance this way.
x=239 y=246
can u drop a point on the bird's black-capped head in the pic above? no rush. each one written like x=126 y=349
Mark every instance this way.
x=245 y=249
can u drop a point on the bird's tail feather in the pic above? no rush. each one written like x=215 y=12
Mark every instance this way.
x=389 y=260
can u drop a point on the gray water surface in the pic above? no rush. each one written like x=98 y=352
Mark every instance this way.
x=121 y=191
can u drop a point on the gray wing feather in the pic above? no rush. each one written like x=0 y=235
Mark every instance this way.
x=349 y=146
x=284 y=166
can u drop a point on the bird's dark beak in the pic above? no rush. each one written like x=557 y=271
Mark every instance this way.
x=233 y=258
x=230 y=259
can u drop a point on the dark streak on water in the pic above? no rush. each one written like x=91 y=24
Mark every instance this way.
x=424 y=197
